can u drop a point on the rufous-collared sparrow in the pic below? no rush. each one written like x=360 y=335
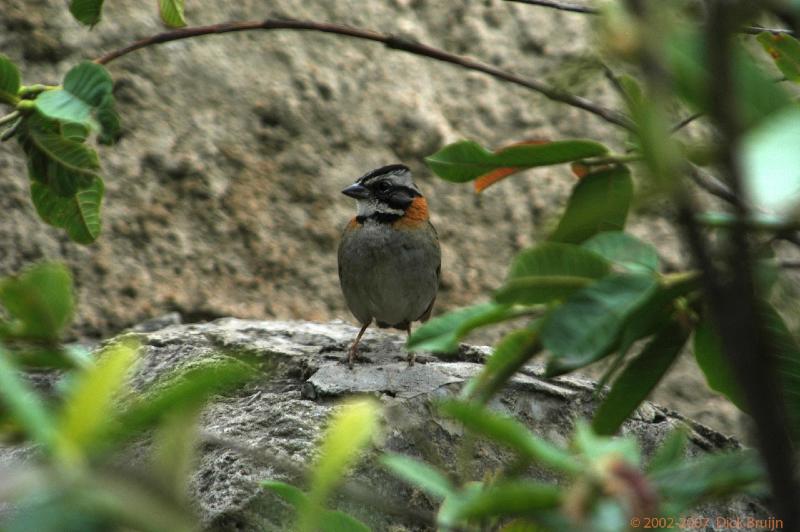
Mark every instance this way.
x=389 y=256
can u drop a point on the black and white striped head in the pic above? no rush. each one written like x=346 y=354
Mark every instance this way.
x=385 y=192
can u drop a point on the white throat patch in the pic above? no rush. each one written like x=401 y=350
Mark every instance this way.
x=368 y=207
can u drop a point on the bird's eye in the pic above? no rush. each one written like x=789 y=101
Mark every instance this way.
x=383 y=186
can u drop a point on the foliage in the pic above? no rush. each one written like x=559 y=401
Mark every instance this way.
x=93 y=410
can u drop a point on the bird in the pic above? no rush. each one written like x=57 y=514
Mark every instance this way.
x=389 y=254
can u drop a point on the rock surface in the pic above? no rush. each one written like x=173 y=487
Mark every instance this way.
x=281 y=416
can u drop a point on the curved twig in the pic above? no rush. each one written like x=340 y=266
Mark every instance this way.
x=390 y=41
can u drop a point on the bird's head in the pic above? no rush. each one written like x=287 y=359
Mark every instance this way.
x=385 y=193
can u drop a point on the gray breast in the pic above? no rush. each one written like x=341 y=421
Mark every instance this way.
x=387 y=274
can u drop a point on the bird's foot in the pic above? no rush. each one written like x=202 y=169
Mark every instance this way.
x=412 y=357
x=354 y=356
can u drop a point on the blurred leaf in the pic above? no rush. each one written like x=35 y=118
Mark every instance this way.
x=671 y=452
x=757 y=95
x=550 y=271
x=624 y=250
x=690 y=482
x=287 y=492
x=183 y=390
x=786 y=353
x=640 y=377
x=600 y=449
x=86 y=87
x=419 y=474
x=511 y=433
x=79 y=215
x=350 y=430
x=39 y=302
x=332 y=520
x=587 y=326
x=25 y=407
x=507 y=498
x=508 y=356
x=172 y=13
x=715 y=367
x=86 y=11
x=90 y=405
x=772 y=172
x=466 y=160
x=64 y=165
x=599 y=202
x=522 y=526
x=442 y=333
x=785 y=51
x=174 y=446
x=9 y=80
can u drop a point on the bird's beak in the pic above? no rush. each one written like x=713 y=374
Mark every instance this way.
x=356 y=191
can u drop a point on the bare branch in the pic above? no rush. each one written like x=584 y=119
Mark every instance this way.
x=685 y=122
x=390 y=41
x=561 y=6
x=711 y=185
x=587 y=10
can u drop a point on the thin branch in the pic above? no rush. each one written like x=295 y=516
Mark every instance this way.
x=10 y=117
x=711 y=185
x=587 y=10
x=561 y=6
x=390 y=41
x=789 y=264
x=685 y=122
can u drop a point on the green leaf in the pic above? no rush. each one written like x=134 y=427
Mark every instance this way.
x=442 y=334
x=418 y=474
x=64 y=165
x=624 y=250
x=332 y=520
x=351 y=429
x=599 y=202
x=467 y=160
x=504 y=499
x=550 y=271
x=86 y=87
x=715 y=367
x=671 y=452
x=758 y=96
x=648 y=318
x=509 y=355
x=86 y=11
x=287 y=492
x=79 y=215
x=640 y=377
x=786 y=353
x=91 y=402
x=586 y=327
x=511 y=433
x=9 y=81
x=25 y=406
x=108 y=118
x=173 y=454
x=772 y=172
x=690 y=482
x=785 y=51
x=172 y=13
x=39 y=302
x=598 y=449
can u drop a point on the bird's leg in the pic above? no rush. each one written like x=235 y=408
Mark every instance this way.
x=411 y=355
x=353 y=352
